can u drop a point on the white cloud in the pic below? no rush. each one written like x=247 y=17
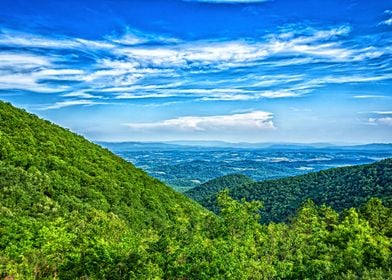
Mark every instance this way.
x=366 y=96
x=380 y=121
x=290 y=62
x=59 y=72
x=386 y=22
x=140 y=88
x=19 y=39
x=382 y=112
x=227 y=97
x=28 y=40
x=204 y=94
x=279 y=94
x=356 y=79
x=256 y=120
x=129 y=38
x=251 y=95
x=20 y=60
x=27 y=82
x=68 y=103
x=127 y=95
x=231 y=54
x=135 y=37
x=334 y=32
x=81 y=94
x=24 y=71
x=124 y=67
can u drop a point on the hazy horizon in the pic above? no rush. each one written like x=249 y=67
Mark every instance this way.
x=252 y=143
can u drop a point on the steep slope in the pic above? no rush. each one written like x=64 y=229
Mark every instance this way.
x=216 y=185
x=75 y=173
x=340 y=188
x=52 y=178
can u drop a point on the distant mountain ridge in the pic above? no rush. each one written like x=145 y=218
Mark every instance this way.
x=216 y=185
x=172 y=145
x=121 y=146
x=340 y=188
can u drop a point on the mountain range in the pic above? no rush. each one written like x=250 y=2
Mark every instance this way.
x=116 y=146
x=340 y=188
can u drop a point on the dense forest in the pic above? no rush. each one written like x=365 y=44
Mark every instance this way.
x=340 y=188
x=214 y=186
x=70 y=209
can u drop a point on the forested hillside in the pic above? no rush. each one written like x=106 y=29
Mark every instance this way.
x=61 y=194
x=216 y=185
x=68 y=173
x=70 y=209
x=340 y=188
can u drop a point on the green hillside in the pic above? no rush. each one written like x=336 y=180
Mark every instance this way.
x=52 y=179
x=70 y=209
x=68 y=173
x=216 y=185
x=340 y=188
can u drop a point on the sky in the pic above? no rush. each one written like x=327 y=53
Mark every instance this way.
x=230 y=70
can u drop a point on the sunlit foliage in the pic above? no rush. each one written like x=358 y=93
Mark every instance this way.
x=72 y=210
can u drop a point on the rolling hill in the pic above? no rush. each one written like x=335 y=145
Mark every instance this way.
x=216 y=185
x=340 y=188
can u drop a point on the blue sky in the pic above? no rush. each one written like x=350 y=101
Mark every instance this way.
x=245 y=70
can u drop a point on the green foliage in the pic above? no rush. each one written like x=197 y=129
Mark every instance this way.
x=72 y=210
x=66 y=203
x=216 y=185
x=318 y=244
x=340 y=188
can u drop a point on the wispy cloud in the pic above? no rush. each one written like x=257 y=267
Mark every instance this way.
x=70 y=103
x=82 y=94
x=23 y=71
x=379 y=118
x=256 y=120
x=136 y=65
x=21 y=39
x=230 y=54
x=380 y=121
x=135 y=37
x=382 y=112
x=367 y=96
x=127 y=95
x=356 y=79
x=386 y=22
x=27 y=82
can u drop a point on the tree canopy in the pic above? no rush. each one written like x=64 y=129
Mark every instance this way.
x=340 y=188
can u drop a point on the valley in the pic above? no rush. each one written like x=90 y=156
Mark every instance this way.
x=184 y=167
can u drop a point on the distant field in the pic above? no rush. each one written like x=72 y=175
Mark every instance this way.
x=186 y=167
